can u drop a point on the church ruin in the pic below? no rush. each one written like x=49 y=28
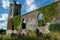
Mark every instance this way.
x=30 y=20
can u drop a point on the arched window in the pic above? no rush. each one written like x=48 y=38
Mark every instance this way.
x=23 y=23
x=24 y=20
x=40 y=16
x=40 y=20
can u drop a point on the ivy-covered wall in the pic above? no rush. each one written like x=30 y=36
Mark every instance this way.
x=16 y=21
x=49 y=12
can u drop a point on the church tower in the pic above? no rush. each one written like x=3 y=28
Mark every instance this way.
x=15 y=10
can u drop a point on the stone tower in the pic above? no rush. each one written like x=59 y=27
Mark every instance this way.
x=15 y=10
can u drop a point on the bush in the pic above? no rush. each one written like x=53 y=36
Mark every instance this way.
x=49 y=37
x=54 y=27
x=2 y=31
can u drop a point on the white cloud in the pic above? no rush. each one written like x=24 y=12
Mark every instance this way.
x=5 y=3
x=4 y=18
x=30 y=5
x=17 y=2
x=29 y=2
x=3 y=25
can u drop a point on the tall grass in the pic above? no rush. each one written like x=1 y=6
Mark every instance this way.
x=29 y=37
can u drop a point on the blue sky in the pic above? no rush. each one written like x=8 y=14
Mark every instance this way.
x=27 y=6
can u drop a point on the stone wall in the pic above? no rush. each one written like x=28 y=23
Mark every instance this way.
x=31 y=19
x=58 y=8
x=10 y=24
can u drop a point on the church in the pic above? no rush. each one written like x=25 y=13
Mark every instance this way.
x=31 y=20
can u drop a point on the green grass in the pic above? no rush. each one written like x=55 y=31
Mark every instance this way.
x=28 y=38
x=32 y=36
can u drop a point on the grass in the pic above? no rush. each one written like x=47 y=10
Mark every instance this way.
x=33 y=36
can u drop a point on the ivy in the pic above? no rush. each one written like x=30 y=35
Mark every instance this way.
x=49 y=12
x=16 y=21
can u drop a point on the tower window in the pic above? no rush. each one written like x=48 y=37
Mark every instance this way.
x=16 y=11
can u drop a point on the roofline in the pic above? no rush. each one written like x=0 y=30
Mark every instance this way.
x=40 y=7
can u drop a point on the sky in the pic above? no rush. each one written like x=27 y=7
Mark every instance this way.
x=27 y=6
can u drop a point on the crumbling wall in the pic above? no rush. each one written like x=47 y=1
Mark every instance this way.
x=31 y=19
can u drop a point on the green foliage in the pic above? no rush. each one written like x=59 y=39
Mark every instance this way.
x=49 y=11
x=40 y=22
x=54 y=27
x=45 y=37
x=49 y=36
x=2 y=31
x=16 y=21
